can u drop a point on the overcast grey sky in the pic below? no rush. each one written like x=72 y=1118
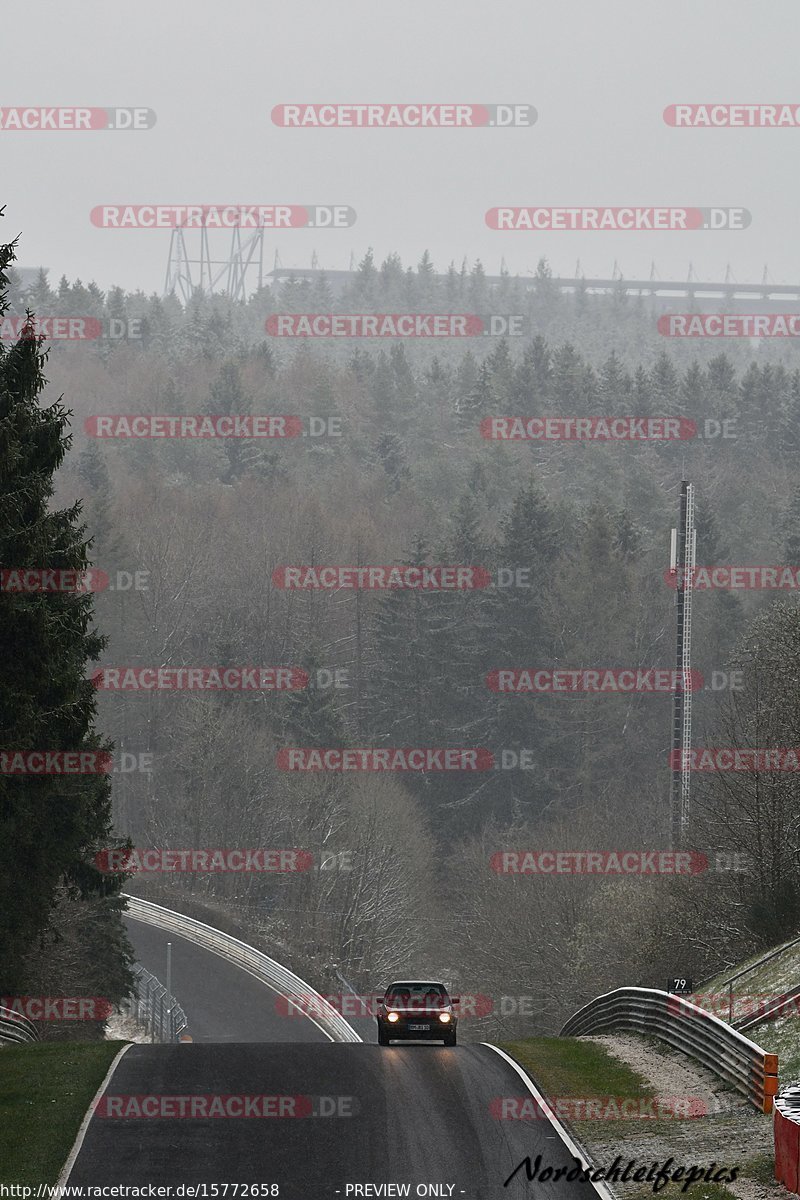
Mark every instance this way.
x=599 y=73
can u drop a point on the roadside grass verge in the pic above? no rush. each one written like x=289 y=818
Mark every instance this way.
x=773 y=976
x=762 y=1170
x=572 y=1067
x=699 y=1191
x=781 y=1037
x=45 y=1091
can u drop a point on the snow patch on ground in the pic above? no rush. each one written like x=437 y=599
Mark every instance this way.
x=125 y=1029
x=732 y=1133
x=749 y=1189
x=670 y=1073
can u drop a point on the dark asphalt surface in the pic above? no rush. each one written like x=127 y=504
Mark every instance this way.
x=409 y=1115
x=222 y=1002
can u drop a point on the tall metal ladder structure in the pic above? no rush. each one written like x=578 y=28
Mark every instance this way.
x=683 y=548
x=229 y=274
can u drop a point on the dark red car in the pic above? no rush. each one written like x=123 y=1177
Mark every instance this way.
x=417 y=1010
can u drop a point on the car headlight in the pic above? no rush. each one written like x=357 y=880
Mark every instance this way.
x=445 y=1018
x=392 y=1016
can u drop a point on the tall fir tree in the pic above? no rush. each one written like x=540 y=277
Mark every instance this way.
x=50 y=825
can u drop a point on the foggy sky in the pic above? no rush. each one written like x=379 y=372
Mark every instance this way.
x=598 y=72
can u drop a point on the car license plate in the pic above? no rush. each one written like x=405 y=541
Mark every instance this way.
x=419 y=1028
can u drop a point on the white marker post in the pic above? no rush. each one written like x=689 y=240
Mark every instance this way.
x=169 y=985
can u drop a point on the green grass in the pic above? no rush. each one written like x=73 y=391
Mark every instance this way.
x=771 y=978
x=45 y=1091
x=571 y=1067
x=762 y=1169
x=781 y=1037
x=699 y=1191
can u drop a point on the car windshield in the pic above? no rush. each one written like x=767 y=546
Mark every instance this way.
x=416 y=995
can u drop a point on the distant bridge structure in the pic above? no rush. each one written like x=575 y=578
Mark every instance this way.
x=191 y=266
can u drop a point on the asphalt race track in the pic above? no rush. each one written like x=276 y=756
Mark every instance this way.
x=402 y=1115
x=222 y=1002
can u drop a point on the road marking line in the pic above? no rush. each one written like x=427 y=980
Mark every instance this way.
x=73 y=1154
x=600 y=1187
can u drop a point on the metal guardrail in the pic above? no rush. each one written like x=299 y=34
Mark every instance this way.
x=675 y=1020
x=777 y=1007
x=14 y=1027
x=281 y=980
x=731 y=979
x=154 y=1008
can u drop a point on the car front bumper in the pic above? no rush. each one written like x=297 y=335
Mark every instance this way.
x=418 y=1028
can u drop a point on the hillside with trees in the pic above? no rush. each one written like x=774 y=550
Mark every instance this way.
x=409 y=479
